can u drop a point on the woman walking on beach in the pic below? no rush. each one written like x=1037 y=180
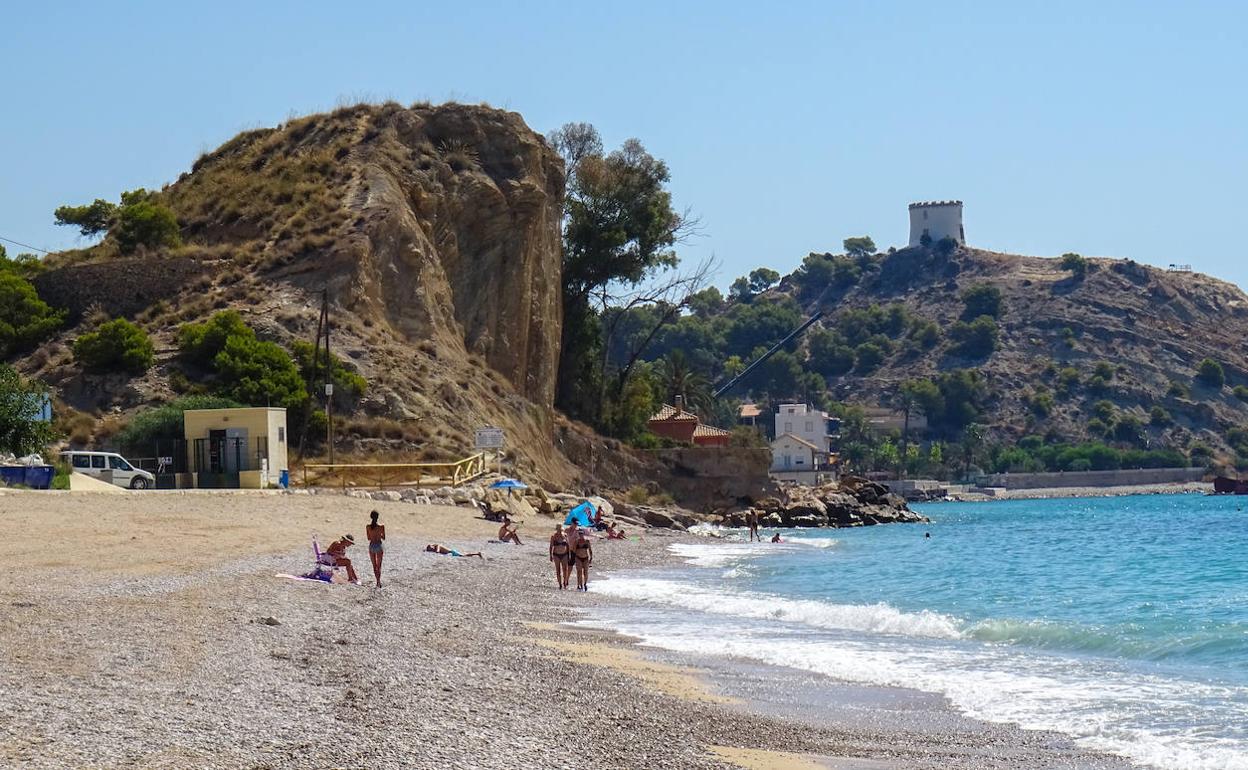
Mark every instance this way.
x=376 y=534
x=559 y=556
x=583 y=552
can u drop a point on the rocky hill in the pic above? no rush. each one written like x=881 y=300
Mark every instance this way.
x=1122 y=332
x=435 y=231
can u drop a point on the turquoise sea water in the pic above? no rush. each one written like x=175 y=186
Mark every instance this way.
x=1122 y=622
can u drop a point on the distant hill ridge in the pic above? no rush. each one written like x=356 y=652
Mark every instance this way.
x=1150 y=327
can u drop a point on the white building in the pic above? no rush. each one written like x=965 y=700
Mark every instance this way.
x=936 y=220
x=793 y=453
x=806 y=423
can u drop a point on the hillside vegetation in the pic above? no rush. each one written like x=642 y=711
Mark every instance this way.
x=1014 y=363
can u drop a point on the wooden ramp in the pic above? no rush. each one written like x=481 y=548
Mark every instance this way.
x=382 y=475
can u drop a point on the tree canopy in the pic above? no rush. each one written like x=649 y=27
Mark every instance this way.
x=20 y=403
x=25 y=319
x=116 y=345
x=861 y=246
x=140 y=220
x=619 y=228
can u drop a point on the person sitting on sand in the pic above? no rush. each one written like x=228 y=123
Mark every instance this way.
x=613 y=533
x=337 y=556
x=441 y=549
x=376 y=534
x=507 y=532
x=775 y=538
x=559 y=556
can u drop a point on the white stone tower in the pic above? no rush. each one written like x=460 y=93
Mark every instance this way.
x=936 y=219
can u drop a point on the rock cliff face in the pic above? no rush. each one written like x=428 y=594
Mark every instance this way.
x=459 y=239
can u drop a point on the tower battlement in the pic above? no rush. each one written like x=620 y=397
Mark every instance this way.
x=936 y=220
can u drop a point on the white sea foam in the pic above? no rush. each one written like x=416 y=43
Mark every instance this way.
x=726 y=551
x=872 y=618
x=1158 y=721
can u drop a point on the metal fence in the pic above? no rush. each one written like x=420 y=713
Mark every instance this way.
x=229 y=455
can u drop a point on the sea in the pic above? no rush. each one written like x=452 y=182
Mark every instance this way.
x=1121 y=622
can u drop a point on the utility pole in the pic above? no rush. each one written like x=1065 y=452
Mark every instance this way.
x=329 y=379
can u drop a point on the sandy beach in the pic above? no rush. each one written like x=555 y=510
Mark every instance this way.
x=149 y=630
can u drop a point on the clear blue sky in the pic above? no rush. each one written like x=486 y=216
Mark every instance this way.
x=1109 y=128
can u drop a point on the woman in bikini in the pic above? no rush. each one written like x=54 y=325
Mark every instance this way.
x=376 y=534
x=583 y=552
x=559 y=556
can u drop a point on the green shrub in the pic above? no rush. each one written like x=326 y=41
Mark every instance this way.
x=165 y=423
x=1159 y=417
x=349 y=387
x=60 y=480
x=1042 y=403
x=259 y=374
x=1241 y=392
x=1097 y=385
x=25 y=319
x=926 y=334
x=146 y=223
x=1104 y=410
x=829 y=355
x=1104 y=370
x=1178 y=390
x=1077 y=265
x=116 y=345
x=867 y=357
x=1128 y=429
x=974 y=340
x=1210 y=373
x=201 y=342
x=1067 y=381
x=982 y=300
x=1097 y=427
x=140 y=220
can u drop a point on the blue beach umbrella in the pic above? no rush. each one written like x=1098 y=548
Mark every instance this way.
x=581 y=515
x=509 y=484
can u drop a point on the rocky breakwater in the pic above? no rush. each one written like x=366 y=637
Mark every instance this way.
x=851 y=502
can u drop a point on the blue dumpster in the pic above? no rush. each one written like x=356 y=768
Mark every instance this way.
x=33 y=476
x=12 y=475
x=39 y=476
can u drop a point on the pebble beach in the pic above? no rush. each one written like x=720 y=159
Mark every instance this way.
x=148 y=630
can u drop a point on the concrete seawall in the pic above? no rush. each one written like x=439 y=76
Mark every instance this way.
x=1120 y=478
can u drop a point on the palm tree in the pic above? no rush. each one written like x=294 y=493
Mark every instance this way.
x=679 y=379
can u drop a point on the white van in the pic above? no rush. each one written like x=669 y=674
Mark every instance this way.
x=109 y=466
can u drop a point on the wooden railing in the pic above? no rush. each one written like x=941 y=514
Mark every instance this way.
x=382 y=475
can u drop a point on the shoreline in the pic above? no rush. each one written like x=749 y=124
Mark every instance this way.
x=1047 y=493
x=140 y=638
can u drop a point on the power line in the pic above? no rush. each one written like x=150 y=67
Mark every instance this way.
x=23 y=245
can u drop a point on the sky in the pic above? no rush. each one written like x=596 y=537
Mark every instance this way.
x=1110 y=128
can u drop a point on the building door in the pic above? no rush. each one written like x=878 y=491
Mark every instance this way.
x=216 y=451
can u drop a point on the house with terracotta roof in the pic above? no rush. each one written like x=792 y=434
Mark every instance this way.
x=677 y=424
